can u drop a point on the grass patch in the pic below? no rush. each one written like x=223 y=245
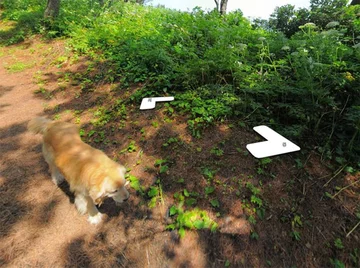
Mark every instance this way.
x=18 y=67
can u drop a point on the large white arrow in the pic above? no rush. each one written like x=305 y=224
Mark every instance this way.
x=275 y=144
x=150 y=103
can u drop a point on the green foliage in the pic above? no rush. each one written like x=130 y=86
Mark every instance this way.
x=217 y=151
x=130 y=148
x=215 y=203
x=190 y=219
x=338 y=243
x=209 y=190
x=171 y=141
x=135 y=184
x=337 y=263
x=221 y=67
x=104 y=115
x=287 y=20
x=208 y=173
x=155 y=194
x=162 y=164
x=355 y=257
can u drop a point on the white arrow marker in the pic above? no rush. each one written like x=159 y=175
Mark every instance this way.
x=150 y=103
x=275 y=144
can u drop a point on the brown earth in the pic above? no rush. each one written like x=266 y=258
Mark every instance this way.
x=40 y=227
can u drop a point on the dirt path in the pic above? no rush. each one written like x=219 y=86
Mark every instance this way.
x=39 y=225
x=35 y=214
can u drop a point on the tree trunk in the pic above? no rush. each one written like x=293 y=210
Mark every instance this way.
x=217 y=4
x=223 y=6
x=355 y=2
x=52 y=9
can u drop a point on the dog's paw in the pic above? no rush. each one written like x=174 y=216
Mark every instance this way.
x=95 y=219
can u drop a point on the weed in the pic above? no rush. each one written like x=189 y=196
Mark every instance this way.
x=190 y=219
x=46 y=94
x=82 y=132
x=254 y=235
x=215 y=203
x=216 y=151
x=155 y=124
x=135 y=184
x=181 y=180
x=18 y=67
x=337 y=263
x=170 y=141
x=208 y=173
x=162 y=164
x=155 y=193
x=130 y=148
x=209 y=190
x=57 y=117
x=295 y=224
x=338 y=243
x=355 y=257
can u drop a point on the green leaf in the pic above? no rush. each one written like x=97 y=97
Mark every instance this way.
x=209 y=190
x=261 y=213
x=199 y=224
x=254 y=235
x=227 y=263
x=215 y=203
x=163 y=169
x=186 y=193
x=190 y=201
x=152 y=202
x=154 y=191
x=182 y=232
x=338 y=244
x=256 y=200
x=159 y=162
x=214 y=227
x=173 y=210
x=252 y=219
x=171 y=227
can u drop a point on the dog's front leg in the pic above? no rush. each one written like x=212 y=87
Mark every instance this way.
x=81 y=203
x=95 y=216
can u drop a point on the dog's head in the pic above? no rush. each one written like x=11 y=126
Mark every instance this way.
x=112 y=186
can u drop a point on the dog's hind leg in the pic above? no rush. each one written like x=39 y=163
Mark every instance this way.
x=56 y=176
x=95 y=216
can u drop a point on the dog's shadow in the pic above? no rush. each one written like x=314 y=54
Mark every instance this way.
x=108 y=207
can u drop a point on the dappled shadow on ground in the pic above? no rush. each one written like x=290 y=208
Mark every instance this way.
x=288 y=227
x=4 y=90
x=17 y=168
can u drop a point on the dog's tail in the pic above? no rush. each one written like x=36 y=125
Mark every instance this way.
x=38 y=125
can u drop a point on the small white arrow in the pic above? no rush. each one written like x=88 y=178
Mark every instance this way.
x=150 y=103
x=275 y=144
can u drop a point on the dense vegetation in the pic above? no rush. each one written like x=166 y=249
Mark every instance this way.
x=304 y=84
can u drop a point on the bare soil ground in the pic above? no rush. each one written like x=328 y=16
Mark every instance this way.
x=40 y=227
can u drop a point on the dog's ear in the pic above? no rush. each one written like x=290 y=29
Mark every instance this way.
x=96 y=198
x=98 y=201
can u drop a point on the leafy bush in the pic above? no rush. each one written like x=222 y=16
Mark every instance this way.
x=220 y=67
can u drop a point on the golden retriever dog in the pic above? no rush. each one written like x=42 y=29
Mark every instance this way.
x=92 y=176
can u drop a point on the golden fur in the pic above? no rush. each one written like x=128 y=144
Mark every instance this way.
x=92 y=176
